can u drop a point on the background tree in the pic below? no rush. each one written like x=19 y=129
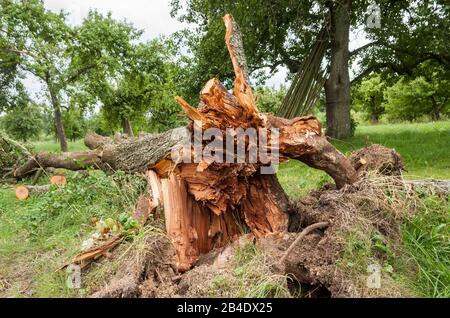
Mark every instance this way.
x=411 y=34
x=410 y=99
x=269 y=99
x=281 y=32
x=24 y=121
x=141 y=90
x=58 y=54
x=368 y=97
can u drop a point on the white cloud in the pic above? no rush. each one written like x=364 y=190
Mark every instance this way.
x=152 y=16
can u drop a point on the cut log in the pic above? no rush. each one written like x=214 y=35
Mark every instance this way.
x=23 y=192
x=58 y=180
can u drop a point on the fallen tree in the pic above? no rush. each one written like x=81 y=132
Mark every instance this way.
x=207 y=203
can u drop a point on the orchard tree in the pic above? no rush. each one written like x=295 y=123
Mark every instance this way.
x=11 y=87
x=412 y=34
x=74 y=123
x=24 y=121
x=269 y=99
x=281 y=32
x=142 y=90
x=368 y=97
x=410 y=99
x=163 y=109
x=58 y=54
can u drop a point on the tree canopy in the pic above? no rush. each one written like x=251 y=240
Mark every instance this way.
x=58 y=54
x=281 y=32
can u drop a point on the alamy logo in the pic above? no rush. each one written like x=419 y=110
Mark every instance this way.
x=374 y=279
x=74 y=276
x=235 y=145
x=374 y=16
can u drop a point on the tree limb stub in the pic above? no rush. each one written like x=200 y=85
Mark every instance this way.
x=79 y=160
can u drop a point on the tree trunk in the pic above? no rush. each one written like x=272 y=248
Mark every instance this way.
x=337 y=87
x=436 y=112
x=208 y=203
x=374 y=116
x=126 y=127
x=375 y=119
x=60 y=134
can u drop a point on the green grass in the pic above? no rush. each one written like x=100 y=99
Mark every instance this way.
x=40 y=234
x=426 y=239
x=424 y=147
x=414 y=263
x=52 y=146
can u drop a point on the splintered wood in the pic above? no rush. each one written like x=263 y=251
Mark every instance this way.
x=208 y=203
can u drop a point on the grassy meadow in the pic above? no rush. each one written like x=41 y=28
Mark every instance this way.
x=38 y=235
x=424 y=147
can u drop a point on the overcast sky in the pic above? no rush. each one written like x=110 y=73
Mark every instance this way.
x=151 y=16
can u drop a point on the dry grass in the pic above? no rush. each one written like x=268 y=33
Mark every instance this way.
x=385 y=208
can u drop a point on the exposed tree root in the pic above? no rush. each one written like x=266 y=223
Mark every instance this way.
x=305 y=232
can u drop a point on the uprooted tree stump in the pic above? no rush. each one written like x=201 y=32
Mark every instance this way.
x=209 y=203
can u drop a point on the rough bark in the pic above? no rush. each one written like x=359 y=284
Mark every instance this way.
x=60 y=134
x=337 y=86
x=126 y=127
x=70 y=160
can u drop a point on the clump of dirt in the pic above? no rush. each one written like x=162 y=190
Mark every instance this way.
x=377 y=158
x=370 y=209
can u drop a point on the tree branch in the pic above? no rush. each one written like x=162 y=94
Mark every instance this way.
x=362 y=48
x=79 y=73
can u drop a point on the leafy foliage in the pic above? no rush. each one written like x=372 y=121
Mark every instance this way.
x=24 y=122
x=57 y=54
x=368 y=97
x=410 y=99
x=142 y=90
x=269 y=100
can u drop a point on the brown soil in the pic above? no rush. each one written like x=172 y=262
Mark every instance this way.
x=147 y=270
x=377 y=158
